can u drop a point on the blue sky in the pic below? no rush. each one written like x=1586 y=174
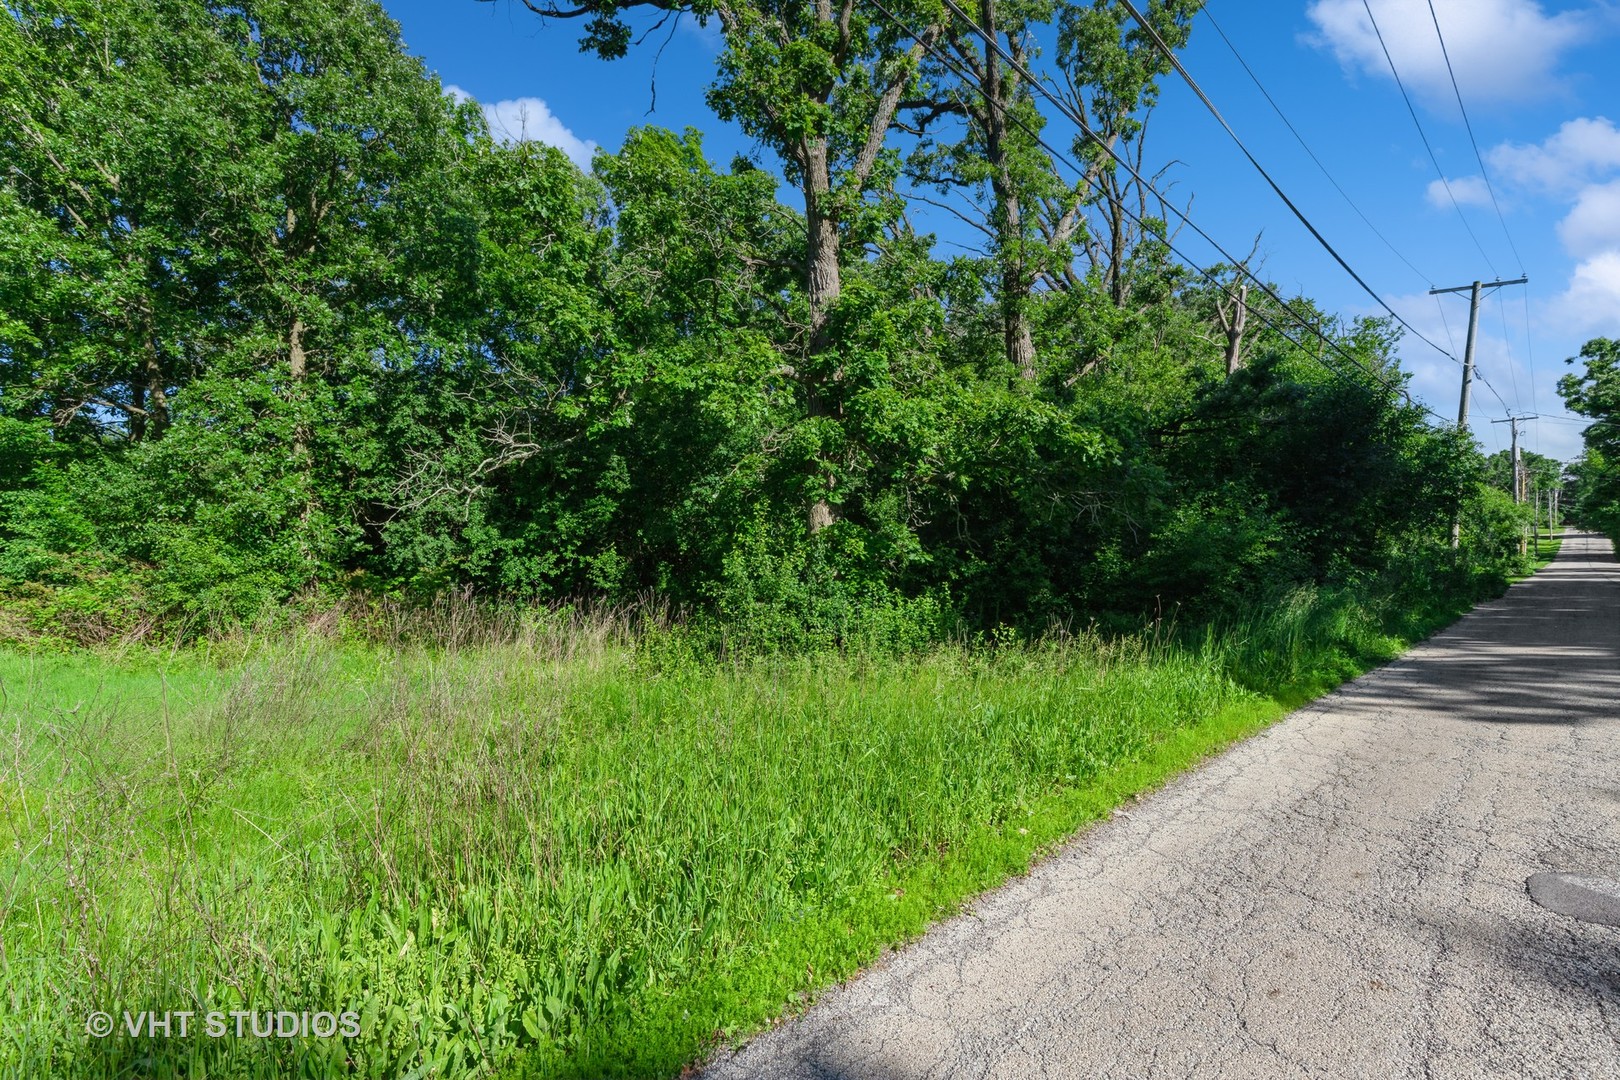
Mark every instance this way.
x=1539 y=81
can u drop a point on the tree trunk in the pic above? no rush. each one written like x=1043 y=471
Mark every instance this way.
x=1015 y=281
x=1233 y=322
x=151 y=414
x=157 y=399
x=824 y=283
x=1117 y=245
x=137 y=414
x=297 y=369
x=823 y=242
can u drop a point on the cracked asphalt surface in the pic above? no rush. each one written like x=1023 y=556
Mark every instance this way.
x=1342 y=896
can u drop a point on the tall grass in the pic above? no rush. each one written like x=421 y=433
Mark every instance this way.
x=552 y=845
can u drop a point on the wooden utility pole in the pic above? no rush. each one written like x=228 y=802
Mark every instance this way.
x=1475 y=291
x=1518 y=473
x=1468 y=351
x=1535 y=517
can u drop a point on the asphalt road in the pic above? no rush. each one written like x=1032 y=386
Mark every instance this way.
x=1342 y=896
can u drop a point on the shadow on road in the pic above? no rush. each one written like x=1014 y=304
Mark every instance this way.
x=1497 y=663
x=1344 y=896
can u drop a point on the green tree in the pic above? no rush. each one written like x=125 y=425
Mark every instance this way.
x=1112 y=69
x=821 y=85
x=1595 y=392
x=224 y=224
x=112 y=287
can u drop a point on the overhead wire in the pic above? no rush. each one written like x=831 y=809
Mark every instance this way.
x=1579 y=419
x=1478 y=371
x=1530 y=356
x=1312 y=153
x=1181 y=69
x=1445 y=322
x=1119 y=160
x=1485 y=174
x=1507 y=343
x=1412 y=110
x=1479 y=376
x=1469 y=127
x=1175 y=61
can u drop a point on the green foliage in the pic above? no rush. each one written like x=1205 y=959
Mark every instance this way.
x=1595 y=392
x=282 y=320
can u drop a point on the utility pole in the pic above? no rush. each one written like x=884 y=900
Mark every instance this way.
x=1535 y=517
x=1518 y=470
x=1475 y=291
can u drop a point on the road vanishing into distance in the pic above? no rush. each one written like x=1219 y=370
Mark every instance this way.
x=1342 y=896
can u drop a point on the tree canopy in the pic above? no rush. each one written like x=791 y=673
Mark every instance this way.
x=1594 y=392
x=278 y=317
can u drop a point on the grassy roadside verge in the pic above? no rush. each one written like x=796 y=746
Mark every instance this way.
x=1549 y=549
x=754 y=991
x=559 y=851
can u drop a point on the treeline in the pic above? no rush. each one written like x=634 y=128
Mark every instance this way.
x=280 y=318
x=1592 y=487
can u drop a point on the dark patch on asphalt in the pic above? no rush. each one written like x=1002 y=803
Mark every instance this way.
x=1588 y=899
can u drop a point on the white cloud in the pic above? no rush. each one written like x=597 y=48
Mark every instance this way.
x=1578 y=165
x=1501 y=49
x=1501 y=361
x=1590 y=307
x=529 y=119
x=1437 y=378
x=1467 y=190
x=1593 y=225
x=1581 y=151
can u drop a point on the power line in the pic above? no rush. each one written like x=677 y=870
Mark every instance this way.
x=1468 y=125
x=1480 y=375
x=1529 y=349
x=1085 y=129
x=1530 y=358
x=1175 y=61
x=1426 y=144
x=1479 y=372
x=1169 y=54
x=1507 y=343
x=1445 y=322
x=1307 y=148
x=1471 y=369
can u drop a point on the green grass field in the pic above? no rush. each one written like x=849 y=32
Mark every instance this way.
x=552 y=849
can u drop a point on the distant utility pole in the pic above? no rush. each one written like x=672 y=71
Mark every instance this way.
x=1518 y=471
x=1475 y=291
x=1535 y=516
